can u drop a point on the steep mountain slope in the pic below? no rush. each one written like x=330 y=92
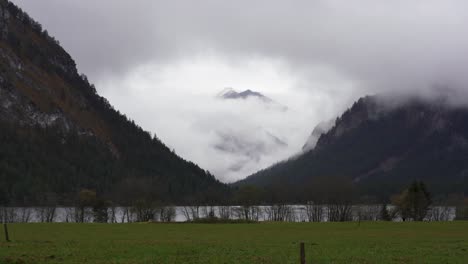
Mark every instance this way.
x=57 y=135
x=319 y=130
x=382 y=145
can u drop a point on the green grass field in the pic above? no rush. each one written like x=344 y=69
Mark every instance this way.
x=371 y=242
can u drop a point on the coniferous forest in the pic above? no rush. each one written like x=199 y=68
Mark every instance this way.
x=59 y=136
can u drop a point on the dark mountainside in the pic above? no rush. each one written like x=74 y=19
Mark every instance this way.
x=380 y=147
x=57 y=135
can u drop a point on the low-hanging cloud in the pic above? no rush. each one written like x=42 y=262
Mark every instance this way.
x=383 y=44
x=232 y=138
x=313 y=56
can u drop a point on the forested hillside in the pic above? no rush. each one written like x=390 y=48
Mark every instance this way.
x=379 y=145
x=58 y=136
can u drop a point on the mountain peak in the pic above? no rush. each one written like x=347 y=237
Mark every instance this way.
x=226 y=92
x=231 y=94
x=250 y=93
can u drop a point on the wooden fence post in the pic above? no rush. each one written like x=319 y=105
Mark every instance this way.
x=5 y=228
x=303 y=259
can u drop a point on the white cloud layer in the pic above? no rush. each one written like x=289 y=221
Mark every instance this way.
x=178 y=102
x=161 y=62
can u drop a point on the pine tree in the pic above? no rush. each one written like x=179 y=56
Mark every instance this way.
x=414 y=202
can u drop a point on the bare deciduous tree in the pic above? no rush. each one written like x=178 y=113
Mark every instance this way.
x=191 y=212
x=23 y=214
x=368 y=212
x=314 y=212
x=248 y=198
x=224 y=212
x=46 y=214
x=339 y=212
x=145 y=210
x=439 y=213
x=167 y=214
x=280 y=212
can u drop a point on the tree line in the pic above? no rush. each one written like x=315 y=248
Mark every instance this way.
x=414 y=203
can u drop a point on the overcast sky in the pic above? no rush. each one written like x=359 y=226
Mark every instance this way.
x=162 y=62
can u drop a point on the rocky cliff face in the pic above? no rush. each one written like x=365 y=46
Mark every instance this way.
x=19 y=106
x=36 y=74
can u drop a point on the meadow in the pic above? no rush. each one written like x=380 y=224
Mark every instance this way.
x=349 y=242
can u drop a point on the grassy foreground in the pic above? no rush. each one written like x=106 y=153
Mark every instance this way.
x=371 y=242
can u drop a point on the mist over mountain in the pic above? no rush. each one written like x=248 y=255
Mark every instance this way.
x=247 y=144
x=320 y=129
x=382 y=144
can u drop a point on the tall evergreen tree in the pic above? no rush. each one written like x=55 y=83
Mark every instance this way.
x=414 y=201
